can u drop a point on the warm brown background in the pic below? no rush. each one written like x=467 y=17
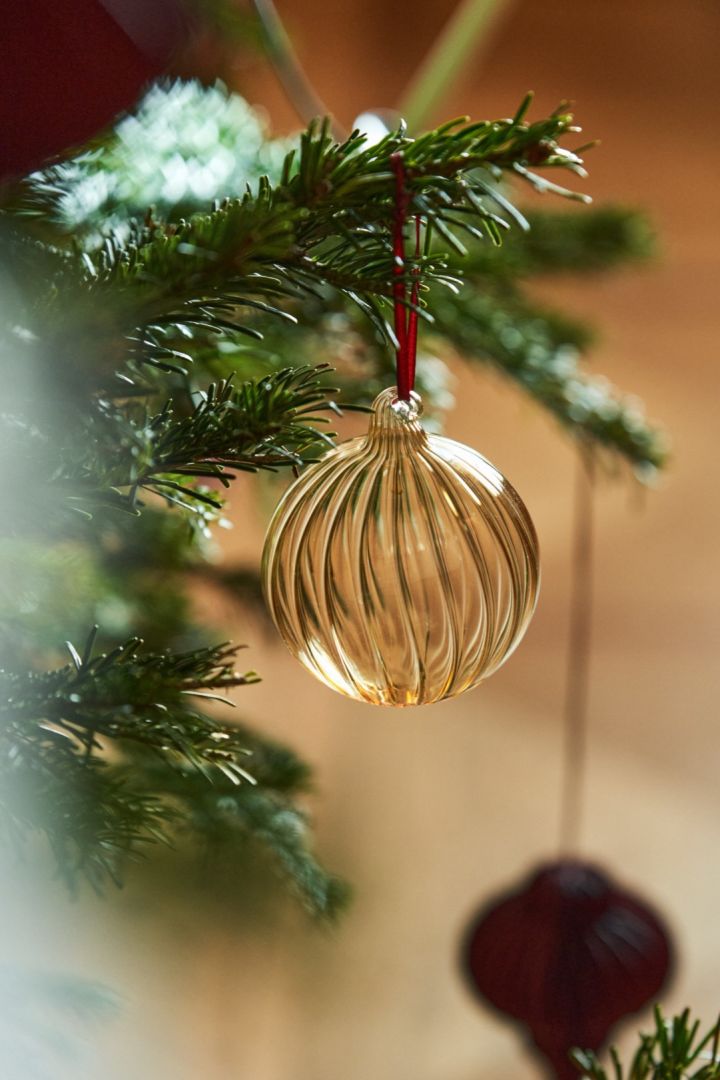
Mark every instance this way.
x=428 y=812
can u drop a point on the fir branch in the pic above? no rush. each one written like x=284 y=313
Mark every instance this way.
x=596 y=240
x=540 y=353
x=56 y=728
x=259 y=425
x=113 y=452
x=265 y=424
x=673 y=1050
x=224 y=818
x=188 y=145
x=283 y=831
x=127 y=696
x=324 y=221
x=182 y=770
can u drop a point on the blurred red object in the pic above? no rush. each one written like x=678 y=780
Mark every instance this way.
x=69 y=66
x=568 y=954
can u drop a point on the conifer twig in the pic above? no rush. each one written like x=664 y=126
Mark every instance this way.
x=674 y=1049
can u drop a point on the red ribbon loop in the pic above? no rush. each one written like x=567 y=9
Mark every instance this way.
x=405 y=317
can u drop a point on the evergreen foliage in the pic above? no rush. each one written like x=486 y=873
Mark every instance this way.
x=174 y=299
x=674 y=1050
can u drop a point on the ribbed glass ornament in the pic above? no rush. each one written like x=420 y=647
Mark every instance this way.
x=401 y=568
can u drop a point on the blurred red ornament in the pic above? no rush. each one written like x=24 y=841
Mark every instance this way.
x=69 y=66
x=568 y=954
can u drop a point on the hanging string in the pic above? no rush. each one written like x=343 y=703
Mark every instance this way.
x=405 y=309
x=299 y=90
x=578 y=657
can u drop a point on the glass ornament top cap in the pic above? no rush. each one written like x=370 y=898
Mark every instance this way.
x=392 y=413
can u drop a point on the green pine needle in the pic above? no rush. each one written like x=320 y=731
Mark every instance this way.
x=674 y=1050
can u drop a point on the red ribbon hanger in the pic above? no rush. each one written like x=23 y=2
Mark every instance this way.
x=405 y=315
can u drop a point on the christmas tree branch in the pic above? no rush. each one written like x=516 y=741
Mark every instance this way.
x=540 y=353
x=120 y=177
x=596 y=240
x=223 y=817
x=673 y=1050
x=181 y=768
x=127 y=696
x=176 y=288
x=325 y=220
x=114 y=453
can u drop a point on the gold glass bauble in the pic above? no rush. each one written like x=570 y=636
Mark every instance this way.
x=401 y=568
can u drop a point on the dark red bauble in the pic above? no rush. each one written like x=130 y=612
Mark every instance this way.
x=568 y=954
x=69 y=66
